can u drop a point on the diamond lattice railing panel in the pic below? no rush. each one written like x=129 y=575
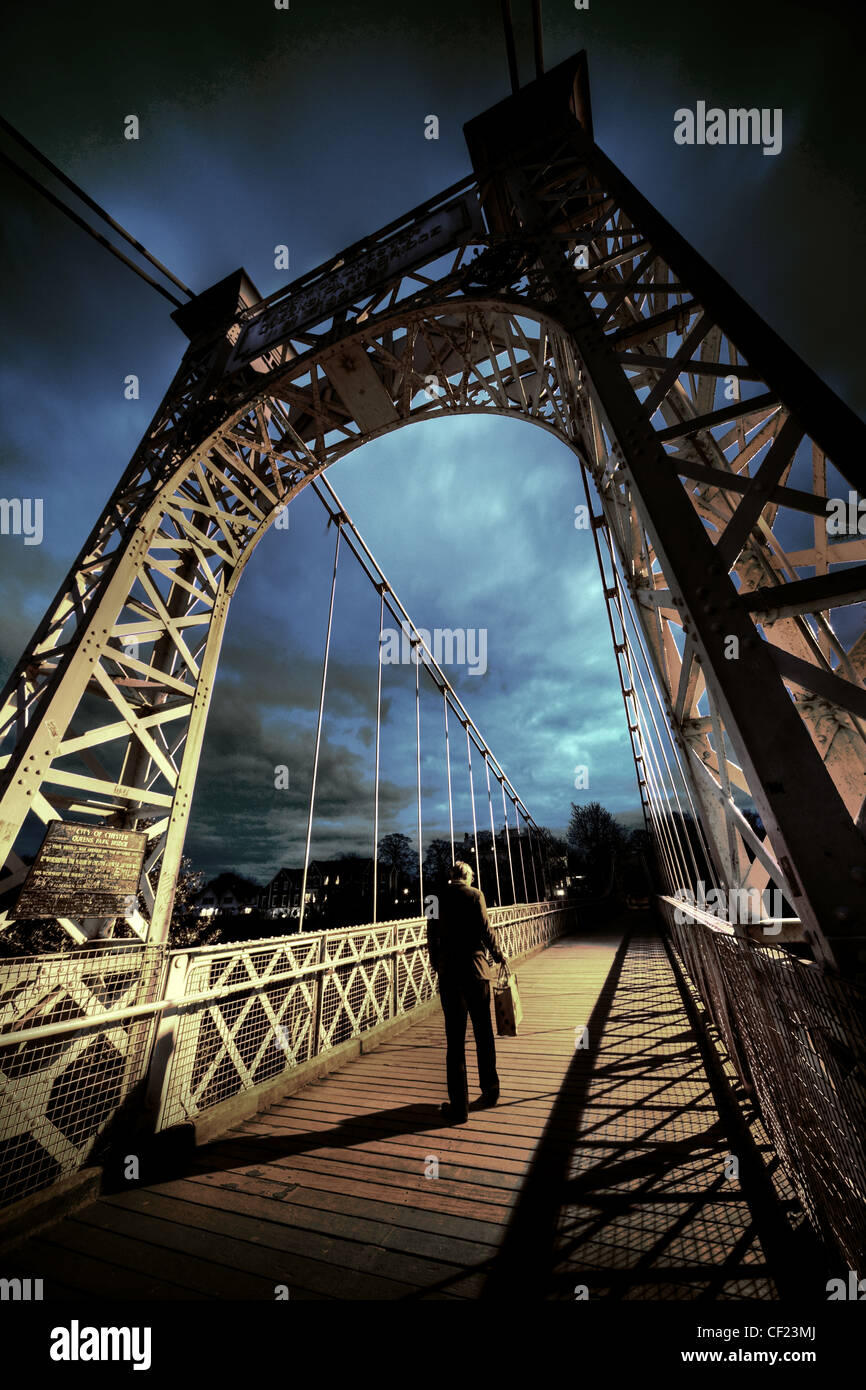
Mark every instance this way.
x=58 y=1094
x=302 y=996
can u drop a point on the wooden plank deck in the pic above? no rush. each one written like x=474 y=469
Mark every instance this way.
x=602 y=1167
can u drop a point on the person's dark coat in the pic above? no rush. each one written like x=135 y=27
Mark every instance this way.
x=458 y=941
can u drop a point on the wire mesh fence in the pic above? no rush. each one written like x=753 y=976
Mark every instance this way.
x=81 y=1031
x=239 y=1016
x=63 y=1078
x=523 y=926
x=248 y=1014
x=796 y=1035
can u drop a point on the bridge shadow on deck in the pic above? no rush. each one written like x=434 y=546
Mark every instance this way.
x=633 y=1193
x=605 y=1169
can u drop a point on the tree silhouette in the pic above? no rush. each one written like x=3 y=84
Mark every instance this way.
x=437 y=861
x=396 y=851
x=186 y=927
x=596 y=838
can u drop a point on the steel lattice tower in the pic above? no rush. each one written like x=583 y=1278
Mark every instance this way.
x=585 y=313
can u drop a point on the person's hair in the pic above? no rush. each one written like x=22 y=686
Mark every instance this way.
x=461 y=872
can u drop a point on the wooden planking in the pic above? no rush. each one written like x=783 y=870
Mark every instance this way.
x=202 y=1276
x=388 y=1229
x=639 y=1201
x=66 y=1260
x=385 y=1162
x=244 y=1262
x=323 y=1175
x=326 y=1191
x=404 y=1255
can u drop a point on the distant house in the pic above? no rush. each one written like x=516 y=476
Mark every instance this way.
x=282 y=896
x=227 y=895
x=338 y=890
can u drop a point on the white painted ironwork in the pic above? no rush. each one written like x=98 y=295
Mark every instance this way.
x=79 y=1027
x=304 y=996
x=73 y=1046
x=794 y=1034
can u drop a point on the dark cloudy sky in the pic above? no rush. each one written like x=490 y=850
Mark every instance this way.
x=306 y=127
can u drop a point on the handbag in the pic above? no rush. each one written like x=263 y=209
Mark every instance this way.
x=506 y=1004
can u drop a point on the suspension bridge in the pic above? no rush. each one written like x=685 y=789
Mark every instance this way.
x=682 y=1112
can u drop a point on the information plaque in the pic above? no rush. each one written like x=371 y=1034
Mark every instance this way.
x=83 y=871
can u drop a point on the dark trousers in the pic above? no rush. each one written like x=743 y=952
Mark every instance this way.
x=462 y=997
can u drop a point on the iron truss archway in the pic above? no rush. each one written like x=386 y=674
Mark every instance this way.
x=543 y=286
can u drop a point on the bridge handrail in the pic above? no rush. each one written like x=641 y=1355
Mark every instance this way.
x=716 y=923
x=535 y=909
x=90 y=1021
x=360 y=978
x=185 y=1024
x=794 y=1032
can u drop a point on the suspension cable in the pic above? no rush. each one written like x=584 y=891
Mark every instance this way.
x=92 y=203
x=596 y=523
x=319 y=724
x=420 y=652
x=624 y=607
x=362 y=553
x=654 y=774
x=448 y=766
x=91 y=231
x=615 y=595
x=472 y=798
x=520 y=848
x=493 y=834
x=418 y=768
x=625 y=654
x=508 y=843
x=532 y=862
x=666 y=828
x=665 y=724
x=378 y=740
x=647 y=705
